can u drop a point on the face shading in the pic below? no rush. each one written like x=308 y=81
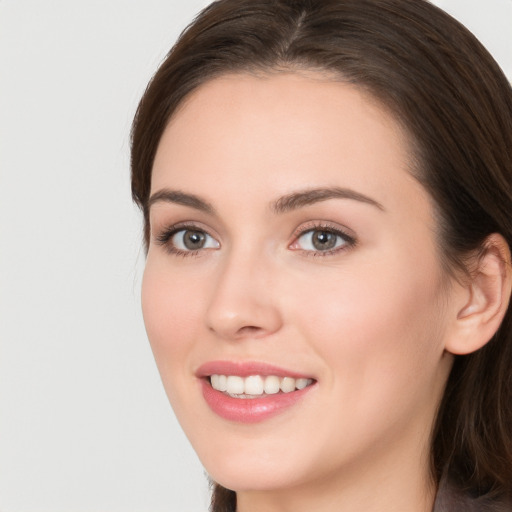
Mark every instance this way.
x=293 y=293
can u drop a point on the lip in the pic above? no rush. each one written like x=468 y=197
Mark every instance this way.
x=248 y=410
x=246 y=369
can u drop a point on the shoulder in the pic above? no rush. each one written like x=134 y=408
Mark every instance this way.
x=451 y=499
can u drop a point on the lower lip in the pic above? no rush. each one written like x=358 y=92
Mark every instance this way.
x=250 y=410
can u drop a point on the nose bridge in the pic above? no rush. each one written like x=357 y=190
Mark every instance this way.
x=242 y=302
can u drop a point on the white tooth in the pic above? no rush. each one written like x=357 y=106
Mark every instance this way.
x=235 y=385
x=214 y=379
x=253 y=385
x=256 y=385
x=218 y=382
x=272 y=385
x=302 y=383
x=287 y=384
x=222 y=383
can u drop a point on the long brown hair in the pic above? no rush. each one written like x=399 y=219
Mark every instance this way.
x=456 y=105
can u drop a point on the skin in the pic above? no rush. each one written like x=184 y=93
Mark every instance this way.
x=369 y=322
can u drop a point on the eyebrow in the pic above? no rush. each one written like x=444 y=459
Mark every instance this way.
x=299 y=199
x=178 y=197
x=284 y=204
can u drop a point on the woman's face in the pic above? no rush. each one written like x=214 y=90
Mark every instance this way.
x=290 y=247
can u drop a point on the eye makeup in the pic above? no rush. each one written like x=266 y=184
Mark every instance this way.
x=321 y=239
x=184 y=245
x=314 y=238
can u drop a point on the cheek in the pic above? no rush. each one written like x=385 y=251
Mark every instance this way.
x=171 y=310
x=381 y=329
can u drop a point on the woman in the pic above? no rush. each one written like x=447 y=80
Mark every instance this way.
x=326 y=189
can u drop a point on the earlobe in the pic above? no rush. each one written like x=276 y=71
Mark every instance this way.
x=487 y=296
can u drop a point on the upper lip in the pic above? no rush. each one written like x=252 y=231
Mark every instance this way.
x=245 y=369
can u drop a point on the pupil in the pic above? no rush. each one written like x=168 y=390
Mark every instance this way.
x=194 y=240
x=323 y=240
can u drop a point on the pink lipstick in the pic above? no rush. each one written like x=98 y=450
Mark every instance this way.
x=251 y=392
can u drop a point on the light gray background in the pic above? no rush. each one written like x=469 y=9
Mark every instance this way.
x=84 y=422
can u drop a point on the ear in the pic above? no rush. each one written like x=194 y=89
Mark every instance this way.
x=483 y=299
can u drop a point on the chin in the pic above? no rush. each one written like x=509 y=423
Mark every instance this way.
x=261 y=464
x=255 y=478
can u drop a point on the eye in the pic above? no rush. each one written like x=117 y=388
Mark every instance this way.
x=322 y=240
x=186 y=240
x=193 y=240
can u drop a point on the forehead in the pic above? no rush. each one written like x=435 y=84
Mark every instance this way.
x=268 y=132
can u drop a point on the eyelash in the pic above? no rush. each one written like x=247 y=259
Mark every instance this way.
x=349 y=241
x=165 y=237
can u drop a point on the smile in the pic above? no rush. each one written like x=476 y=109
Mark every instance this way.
x=251 y=392
x=256 y=385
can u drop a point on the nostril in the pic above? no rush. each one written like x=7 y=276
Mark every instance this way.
x=236 y=316
x=248 y=330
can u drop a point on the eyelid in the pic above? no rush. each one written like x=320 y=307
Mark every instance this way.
x=165 y=235
x=347 y=234
x=167 y=228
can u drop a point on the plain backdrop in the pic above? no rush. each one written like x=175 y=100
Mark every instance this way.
x=84 y=421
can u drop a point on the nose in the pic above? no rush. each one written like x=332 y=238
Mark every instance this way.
x=243 y=304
